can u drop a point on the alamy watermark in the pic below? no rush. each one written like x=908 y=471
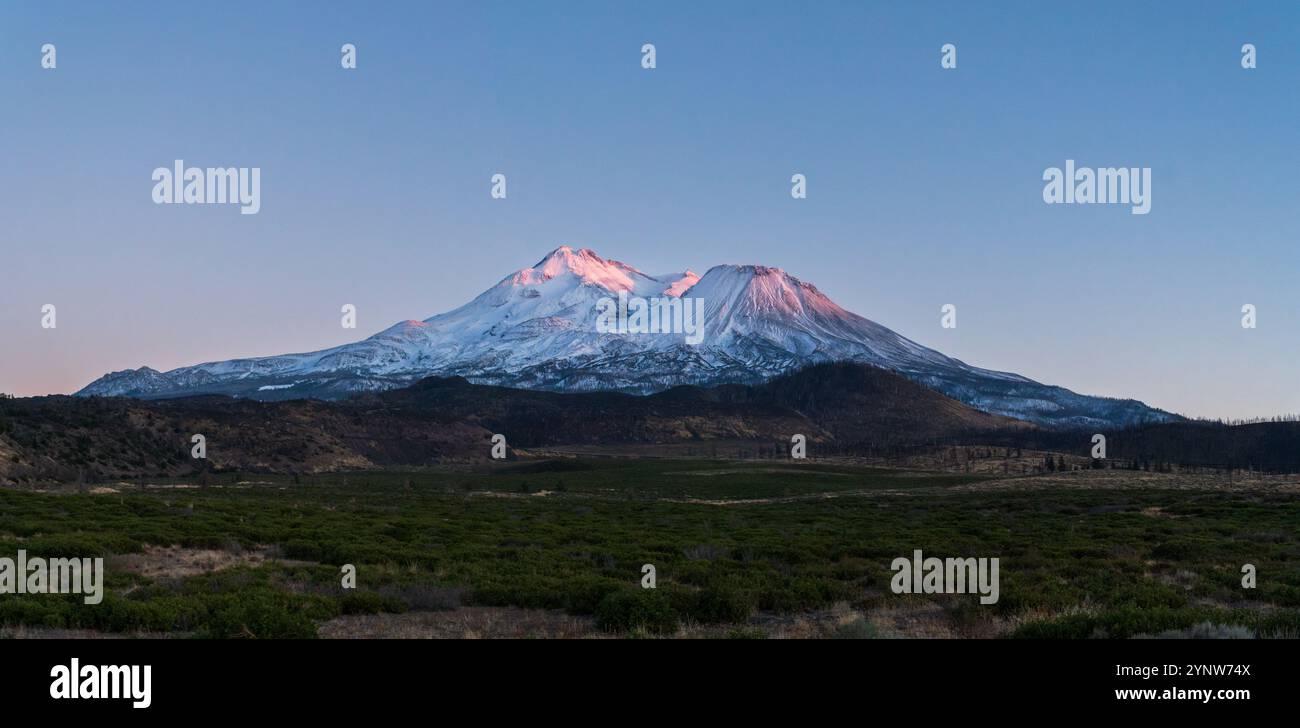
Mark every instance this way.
x=96 y=682
x=37 y=575
x=656 y=315
x=214 y=185
x=920 y=575
x=1107 y=185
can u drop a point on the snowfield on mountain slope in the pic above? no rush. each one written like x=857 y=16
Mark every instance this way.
x=536 y=328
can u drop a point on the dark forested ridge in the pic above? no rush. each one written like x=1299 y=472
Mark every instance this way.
x=441 y=420
x=842 y=409
x=1262 y=446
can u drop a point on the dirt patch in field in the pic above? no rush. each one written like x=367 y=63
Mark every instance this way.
x=509 y=494
x=930 y=620
x=827 y=495
x=921 y=620
x=815 y=624
x=463 y=623
x=177 y=562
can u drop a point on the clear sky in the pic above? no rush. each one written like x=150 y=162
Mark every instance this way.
x=924 y=185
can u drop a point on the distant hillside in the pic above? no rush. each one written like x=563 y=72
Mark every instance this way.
x=840 y=407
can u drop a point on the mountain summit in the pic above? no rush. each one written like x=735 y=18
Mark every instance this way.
x=537 y=329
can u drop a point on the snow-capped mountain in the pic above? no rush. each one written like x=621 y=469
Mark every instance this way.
x=538 y=328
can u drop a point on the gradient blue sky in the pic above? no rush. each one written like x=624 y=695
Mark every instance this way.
x=924 y=185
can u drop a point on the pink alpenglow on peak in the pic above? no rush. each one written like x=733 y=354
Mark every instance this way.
x=583 y=264
x=678 y=283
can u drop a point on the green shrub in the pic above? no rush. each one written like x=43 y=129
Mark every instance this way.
x=713 y=605
x=257 y=615
x=368 y=602
x=585 y=593
x=626 y=610
x=1178 y=550
x=300 y=548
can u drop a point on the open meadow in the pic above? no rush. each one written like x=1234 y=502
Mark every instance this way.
x=555 y=548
